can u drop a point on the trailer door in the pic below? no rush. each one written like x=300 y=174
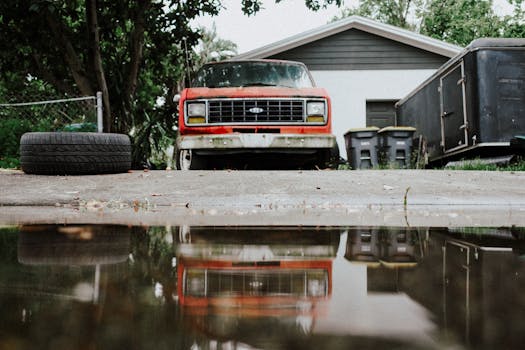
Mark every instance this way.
x=456 y=287
x=453 y=110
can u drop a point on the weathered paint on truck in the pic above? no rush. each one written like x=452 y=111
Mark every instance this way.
x=249 y=118
x=253 y=92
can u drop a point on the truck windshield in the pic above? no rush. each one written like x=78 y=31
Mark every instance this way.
x=240 y=74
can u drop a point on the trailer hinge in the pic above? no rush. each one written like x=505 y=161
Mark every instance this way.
x=463 y=80
x=464 y=126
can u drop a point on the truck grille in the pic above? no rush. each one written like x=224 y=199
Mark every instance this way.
x=255 y=111
x=309 y=282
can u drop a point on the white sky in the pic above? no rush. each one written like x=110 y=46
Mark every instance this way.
x=277 y=21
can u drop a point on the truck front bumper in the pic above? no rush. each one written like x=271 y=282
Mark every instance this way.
x=268 y=142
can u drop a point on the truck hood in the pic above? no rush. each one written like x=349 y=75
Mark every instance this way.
x=253 y=92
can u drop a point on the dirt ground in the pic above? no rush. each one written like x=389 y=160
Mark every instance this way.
x=371 y=197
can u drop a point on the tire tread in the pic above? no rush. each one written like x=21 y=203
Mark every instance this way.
x=74 y=153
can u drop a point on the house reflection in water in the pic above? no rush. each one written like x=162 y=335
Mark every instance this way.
x=464 y=277
x=480 y=275
x=367 y=299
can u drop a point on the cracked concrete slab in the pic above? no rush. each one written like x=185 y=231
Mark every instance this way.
x=371 y=197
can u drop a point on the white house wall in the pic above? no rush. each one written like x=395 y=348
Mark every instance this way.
x=349 y=91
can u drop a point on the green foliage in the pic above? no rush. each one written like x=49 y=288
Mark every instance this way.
x=151 y=138
x=251 y=7
x=515 y=24
x=9 y=163
x=10 y=132
x=454 y=21
x=15 y=121
x=80 y=127
x=132 y=51
x=394 y=12
x=141 y=45
x=211 y=48
x=460 y=21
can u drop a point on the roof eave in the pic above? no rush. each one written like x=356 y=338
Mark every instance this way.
x=384 y=30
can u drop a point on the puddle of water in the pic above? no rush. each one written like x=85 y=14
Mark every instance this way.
x=94 y=286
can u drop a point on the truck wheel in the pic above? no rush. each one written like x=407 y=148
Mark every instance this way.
x=74 y=153
x=188 y=160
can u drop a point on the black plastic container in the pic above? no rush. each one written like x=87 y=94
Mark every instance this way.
x=475 y=102
x=396 y=145
x=361 y=148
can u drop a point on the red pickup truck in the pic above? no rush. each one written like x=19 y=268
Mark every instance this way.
x=254 y=107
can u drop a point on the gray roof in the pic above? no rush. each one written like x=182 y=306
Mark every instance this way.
x=355 y=22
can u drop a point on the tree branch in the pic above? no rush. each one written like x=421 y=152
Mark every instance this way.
x=70 y=56
x=48 y=75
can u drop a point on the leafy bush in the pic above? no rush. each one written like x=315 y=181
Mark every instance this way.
x=11 y=130
x=81 y=127
x=9 y=162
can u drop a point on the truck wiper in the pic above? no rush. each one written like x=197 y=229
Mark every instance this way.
x=258 y=84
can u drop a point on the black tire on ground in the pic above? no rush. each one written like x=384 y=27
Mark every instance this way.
x=74 y=153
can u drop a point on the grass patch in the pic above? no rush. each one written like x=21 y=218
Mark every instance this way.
x=479 y=165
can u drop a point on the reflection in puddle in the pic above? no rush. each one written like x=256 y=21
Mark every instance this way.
x=254 y=285
x=89 y=286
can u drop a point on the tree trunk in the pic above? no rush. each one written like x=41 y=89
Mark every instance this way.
x=137 y=48
x=70 y=56
x=94 y=46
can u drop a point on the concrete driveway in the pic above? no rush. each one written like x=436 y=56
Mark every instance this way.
x=365 y=197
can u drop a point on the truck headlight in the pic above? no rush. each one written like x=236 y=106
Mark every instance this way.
x=195 y=283
x=316 y=286
x=315 y=112
x=197 y=109
x=196 y=113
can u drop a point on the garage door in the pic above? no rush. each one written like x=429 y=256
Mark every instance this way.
x=380 y=113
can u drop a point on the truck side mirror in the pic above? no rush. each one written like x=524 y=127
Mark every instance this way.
x=176 y=98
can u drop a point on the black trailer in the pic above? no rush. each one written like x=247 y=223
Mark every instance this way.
x=473 y=105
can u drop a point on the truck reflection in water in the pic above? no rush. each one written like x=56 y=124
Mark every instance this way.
x=91 y=286
x=230 y=276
